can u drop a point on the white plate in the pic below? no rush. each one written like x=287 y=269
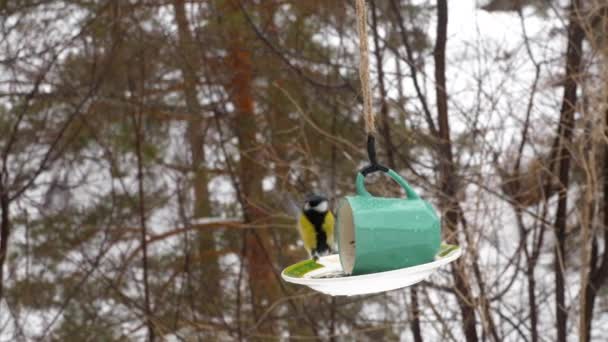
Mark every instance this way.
x=327 y=275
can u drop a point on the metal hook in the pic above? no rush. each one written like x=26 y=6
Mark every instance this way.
x=371 y=153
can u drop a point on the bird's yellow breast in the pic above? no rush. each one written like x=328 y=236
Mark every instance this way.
x=309 y=235
x=328 y=227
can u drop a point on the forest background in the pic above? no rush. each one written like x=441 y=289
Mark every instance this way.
x=152 y=153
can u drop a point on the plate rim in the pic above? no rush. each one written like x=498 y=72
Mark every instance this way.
x=453 y=255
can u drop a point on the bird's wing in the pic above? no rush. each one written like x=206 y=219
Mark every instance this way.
x=307 y=233
x=328 y=228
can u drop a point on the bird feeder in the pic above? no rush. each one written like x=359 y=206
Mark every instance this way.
x=377 y=234
x=383 y=243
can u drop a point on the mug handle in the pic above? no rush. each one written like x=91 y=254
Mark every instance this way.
x=360 y=184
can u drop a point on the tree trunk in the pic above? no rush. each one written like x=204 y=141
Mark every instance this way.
x=530 y=267
x=415 y=312
x=279 y=123
x=142 y=221
x=385 y=125
x=447 y=171
x=599 y=273
x=588 y=299
x=532 y=301
x=208 y=270
x=259 y=265
x=250 y=173
x=189 y=67
x=566 y=124
x=5 y=225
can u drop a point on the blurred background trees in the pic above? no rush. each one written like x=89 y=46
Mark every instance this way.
x=153 y=155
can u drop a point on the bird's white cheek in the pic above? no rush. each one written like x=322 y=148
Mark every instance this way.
x=322 y=207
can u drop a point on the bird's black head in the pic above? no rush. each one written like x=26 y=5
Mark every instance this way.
x=316 y=202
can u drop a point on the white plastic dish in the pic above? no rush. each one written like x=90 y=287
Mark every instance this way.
x=326 y=275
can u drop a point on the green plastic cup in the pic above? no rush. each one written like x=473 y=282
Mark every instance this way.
x=377 y=234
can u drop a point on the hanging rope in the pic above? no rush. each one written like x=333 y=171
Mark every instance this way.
x=366 y=92
x=368 y=115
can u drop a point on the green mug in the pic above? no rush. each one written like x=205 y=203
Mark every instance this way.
x=377 y=234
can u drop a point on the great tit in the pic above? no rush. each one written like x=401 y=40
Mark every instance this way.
x=316 y=226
